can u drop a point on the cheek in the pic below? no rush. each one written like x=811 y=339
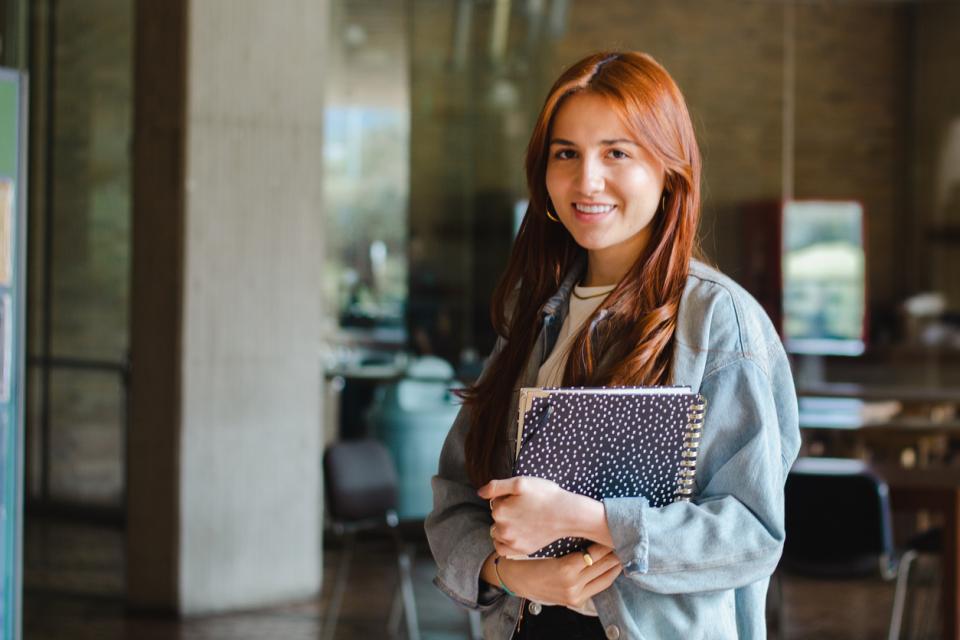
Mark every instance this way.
x=643 y=189
x=553 y=180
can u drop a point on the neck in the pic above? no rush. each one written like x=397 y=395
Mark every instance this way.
x=609 y=265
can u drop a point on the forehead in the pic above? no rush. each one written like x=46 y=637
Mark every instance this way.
x=588 y=117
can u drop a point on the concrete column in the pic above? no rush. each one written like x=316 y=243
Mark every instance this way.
x=224 y=500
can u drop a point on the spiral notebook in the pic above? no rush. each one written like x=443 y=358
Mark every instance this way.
x=610 y=442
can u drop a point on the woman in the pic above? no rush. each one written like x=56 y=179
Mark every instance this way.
x=602 y=289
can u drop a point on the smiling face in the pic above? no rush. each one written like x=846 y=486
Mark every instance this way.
x=605 y=187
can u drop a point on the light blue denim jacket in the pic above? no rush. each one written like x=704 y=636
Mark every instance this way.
x=692 y=570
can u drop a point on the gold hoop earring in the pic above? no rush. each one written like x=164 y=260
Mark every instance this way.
x=550 y=215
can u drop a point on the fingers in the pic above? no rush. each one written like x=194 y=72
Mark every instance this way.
x=599 y=567
x=496 y=488
x=504 y=543
x=506 y=550
x=496 y=506
x=602 y=581
x=601 y=557
x=508 y=545
x=583 y=582
x=577 y=573
x=598 y=551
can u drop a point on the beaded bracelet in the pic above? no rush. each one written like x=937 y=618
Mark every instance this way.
x=496 y=568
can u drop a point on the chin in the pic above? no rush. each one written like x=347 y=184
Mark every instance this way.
x=590 y=242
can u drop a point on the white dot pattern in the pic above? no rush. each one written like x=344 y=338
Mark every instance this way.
x=605 y=445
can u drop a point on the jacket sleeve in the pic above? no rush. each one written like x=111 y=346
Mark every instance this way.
x=731 y=533
x=458 y=528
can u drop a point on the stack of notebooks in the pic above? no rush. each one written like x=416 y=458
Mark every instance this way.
x=610 y=442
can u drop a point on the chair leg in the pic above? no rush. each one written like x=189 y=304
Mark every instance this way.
x=406 y=590
x=396 y=613
x=929 y=619
x=404 y=564
x=476 y=629
x=900 y=594
x=775 y=605
x=339 y=587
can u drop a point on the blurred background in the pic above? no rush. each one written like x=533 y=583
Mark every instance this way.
x=254 y=231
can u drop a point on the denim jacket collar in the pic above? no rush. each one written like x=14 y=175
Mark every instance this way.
x=555 y=309
x=556 y=306
x=553 y=312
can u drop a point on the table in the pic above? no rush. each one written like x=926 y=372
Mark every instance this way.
x=935 y=489
x=882 y=392
x=844 y=413
x=356 y=385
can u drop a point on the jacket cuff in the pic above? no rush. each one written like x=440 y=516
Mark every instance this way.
x=460 y=579
x=626 y=521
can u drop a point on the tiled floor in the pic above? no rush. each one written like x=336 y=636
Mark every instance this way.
x=73 y=587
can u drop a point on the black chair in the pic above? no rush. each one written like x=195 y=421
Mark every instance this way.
x=839 y=524
x=838 y=520
x=361 y=492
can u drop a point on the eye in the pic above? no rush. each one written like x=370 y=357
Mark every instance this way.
x=617 y=154
x=565 y=154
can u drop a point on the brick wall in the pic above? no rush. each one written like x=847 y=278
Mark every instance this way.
x=931 y=220
x=858 y=133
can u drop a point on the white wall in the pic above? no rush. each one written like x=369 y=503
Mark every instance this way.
x=250 y=444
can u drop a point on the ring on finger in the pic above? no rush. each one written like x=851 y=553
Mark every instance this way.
x=587 y=559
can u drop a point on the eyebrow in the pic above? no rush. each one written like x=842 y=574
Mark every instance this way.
x=568 y=143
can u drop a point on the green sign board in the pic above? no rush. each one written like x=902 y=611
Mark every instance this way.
x=12 y=295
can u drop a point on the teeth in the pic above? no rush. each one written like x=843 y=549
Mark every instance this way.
x=593 y=208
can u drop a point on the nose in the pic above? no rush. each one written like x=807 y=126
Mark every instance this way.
x=591 y=177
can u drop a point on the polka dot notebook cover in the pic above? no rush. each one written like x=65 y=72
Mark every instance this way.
x=610 y=442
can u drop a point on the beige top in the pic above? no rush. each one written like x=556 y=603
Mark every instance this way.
x=551 y=371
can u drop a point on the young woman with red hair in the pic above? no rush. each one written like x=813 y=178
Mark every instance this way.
x=604 y=288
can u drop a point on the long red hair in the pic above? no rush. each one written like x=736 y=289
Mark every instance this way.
x=636 y=336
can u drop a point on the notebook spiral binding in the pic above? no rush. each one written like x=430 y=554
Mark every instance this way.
x=691 y=447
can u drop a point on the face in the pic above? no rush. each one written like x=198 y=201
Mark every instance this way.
x=605 y=187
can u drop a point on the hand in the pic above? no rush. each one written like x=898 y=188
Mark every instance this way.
x=530 y=513
x=566 y=581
